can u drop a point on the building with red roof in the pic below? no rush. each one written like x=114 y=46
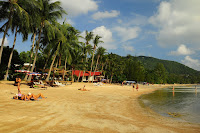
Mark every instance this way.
x=86 y=75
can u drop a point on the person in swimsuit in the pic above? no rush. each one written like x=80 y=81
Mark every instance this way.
x=83 y=89
x=34 y=97
x=21 y=97
x=18 y=80
x=25 y=97
x=137 y=87
x=29 y=96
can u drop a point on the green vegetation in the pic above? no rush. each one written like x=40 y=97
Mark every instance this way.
x=58 y=45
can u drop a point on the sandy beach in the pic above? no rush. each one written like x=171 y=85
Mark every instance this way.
x=107 y=108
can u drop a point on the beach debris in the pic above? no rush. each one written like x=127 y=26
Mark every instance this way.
x=174 y=115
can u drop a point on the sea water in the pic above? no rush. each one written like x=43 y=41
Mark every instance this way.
x=182 y=104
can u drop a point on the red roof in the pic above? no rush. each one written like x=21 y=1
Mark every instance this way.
x=76 y=72
x=87 y=73
x=92 y=73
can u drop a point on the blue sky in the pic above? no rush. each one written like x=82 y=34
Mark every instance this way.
x=164 y=29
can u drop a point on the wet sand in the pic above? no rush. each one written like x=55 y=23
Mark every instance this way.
x=107 y=108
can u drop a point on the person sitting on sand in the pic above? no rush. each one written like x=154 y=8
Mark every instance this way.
x=19 y=95
x=83 y=89
x=29 y=96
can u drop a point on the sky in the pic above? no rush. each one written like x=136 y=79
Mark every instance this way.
x=164 y=29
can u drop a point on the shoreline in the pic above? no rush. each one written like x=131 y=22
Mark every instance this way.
x=106 y=108
x=166 y=114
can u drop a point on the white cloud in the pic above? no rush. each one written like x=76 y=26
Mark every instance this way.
x=6 y=41
x=77 y=7
x=182 y=50
x=178 y=23
x=128 y=48
x=106 y=14
x=193 y=63
x=127 y=33
x=106 y=35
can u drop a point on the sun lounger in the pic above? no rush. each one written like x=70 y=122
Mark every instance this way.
x=40 y=85
x=51 y=83
x=59 y=84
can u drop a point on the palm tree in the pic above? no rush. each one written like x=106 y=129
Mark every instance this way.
x=96 y=42
x=49 y=13
x=34 y=23
x=19 y=26
x=89 y=36
x=55 y=43
x=112 y=66
x=100 y=52
x=7 y=9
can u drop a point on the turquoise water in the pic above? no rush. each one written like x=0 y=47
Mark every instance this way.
x=184 y=103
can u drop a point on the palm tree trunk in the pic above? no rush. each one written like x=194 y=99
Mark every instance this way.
x=79 y=75
x=46 y=61
x=72 y=75
x=11 y=54
x=66 y=63
x=96 y=67
x=47 y=79
x=59 y=60
x=5 y=32
x=36 y=52
x=57 y=63
x=31 y=56
x=4 y=36
x=84 y=67
x=111 y=79
x=92 y=61
x=102 y=70
x=83 y=75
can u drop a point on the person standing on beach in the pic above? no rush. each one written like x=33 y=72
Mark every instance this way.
x=18 y=80
x=133 y=87
x=137 y=87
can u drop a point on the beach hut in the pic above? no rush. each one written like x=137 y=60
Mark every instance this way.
x=77 y=72
x=94 y=76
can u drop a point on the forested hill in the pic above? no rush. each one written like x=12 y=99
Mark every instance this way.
x=171 y=66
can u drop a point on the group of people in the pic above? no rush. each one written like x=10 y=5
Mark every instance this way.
x=25 y=97
x=137 y=86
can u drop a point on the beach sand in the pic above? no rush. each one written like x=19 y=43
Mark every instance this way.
x=107 y=108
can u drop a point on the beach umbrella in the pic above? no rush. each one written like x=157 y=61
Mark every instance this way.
x=34 y=74
x=22 y=71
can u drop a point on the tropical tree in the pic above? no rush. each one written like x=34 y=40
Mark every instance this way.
x=7 y=11
x=89 y=36
x=96 y=42
x=49 y=12
x=18 y=26
x=55 y=43
x=100 y=52
x=32 y=10
x=160 y=73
